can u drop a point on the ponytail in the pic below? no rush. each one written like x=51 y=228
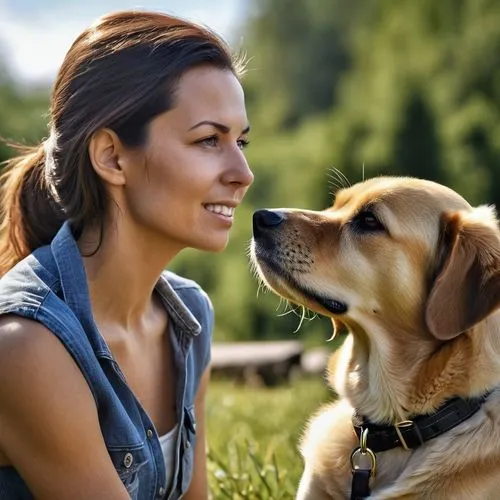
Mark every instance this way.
x=29 y=215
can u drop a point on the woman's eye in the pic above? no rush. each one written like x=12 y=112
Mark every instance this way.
x=243 y=143
x=213 y=141
x=209 y=141
x=367 y=221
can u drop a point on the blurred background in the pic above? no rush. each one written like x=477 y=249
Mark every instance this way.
x=368 y=87
x=364 y=87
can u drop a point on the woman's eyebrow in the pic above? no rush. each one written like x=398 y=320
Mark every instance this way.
x=219 y=126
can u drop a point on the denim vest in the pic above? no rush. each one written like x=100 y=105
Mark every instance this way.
x=50 y=286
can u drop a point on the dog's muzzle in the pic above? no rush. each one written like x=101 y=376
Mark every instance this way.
x=269 y=257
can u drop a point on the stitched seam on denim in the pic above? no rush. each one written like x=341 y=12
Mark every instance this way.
x=131 y=447
x=54 y=279
x=44 y=298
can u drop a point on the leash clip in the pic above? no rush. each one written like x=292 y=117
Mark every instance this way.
x=363 y=467
x=362 y=457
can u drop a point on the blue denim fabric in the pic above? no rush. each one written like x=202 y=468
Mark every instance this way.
x=50 y=286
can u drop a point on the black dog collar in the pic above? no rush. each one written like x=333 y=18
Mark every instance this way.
x=412 y=433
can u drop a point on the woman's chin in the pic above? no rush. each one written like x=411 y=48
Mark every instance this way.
x=215 y=245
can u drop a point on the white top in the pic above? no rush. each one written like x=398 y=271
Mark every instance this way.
x=167 y=442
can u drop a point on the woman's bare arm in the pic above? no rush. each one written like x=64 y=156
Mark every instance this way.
x=49 y=427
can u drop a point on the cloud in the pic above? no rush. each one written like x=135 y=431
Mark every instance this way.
x=34 y=41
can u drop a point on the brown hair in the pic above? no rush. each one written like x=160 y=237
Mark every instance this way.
x=119 y=73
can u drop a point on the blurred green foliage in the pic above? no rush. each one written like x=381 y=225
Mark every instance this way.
x=368 y=87
x=23 y=114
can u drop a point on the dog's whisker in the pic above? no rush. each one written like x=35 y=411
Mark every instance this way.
x=285 y=313
x=286 y=304
x=333 y=179
x=289 y=307
x=334 y=186
x=301 y=319
x=314 y=314
x=333 y=175
x=344 y=180
x=296 y=310
x=336 y=181
x=332 y=337
x=279 y=305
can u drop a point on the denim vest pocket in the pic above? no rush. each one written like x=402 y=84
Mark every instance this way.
x=188 y=443
x=128 y=461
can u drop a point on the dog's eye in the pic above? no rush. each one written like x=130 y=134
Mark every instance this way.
x=366 y=221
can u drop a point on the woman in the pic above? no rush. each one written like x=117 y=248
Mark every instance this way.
x=103 y=356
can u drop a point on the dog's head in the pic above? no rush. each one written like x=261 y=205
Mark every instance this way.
x=394 y=254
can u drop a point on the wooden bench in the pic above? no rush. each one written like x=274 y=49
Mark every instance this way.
x=257 y=363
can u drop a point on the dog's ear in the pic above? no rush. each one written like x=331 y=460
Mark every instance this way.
x=467 y=287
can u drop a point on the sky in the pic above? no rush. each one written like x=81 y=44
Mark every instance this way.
x=36 y=34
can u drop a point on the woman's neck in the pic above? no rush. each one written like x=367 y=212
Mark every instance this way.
x=123 y=272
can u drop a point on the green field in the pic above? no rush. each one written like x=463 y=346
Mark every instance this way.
x=253 y=435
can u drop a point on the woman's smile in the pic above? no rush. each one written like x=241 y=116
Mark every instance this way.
x=223 y=213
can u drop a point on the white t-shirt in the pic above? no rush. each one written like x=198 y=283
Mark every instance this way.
x=167 y=442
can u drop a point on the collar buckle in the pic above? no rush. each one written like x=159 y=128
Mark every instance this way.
x=410 y=434
x=404 y=427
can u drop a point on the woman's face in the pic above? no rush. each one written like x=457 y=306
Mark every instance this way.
x=192 y=174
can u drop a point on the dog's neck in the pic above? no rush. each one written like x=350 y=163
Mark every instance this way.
x=388 y=381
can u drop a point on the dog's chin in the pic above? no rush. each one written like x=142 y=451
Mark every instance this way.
x=287 y=286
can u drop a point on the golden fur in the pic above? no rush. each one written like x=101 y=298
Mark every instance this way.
x=423 y=294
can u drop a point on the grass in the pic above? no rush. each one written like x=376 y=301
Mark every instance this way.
x=253 y=434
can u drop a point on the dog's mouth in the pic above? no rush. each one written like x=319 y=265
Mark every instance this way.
x=331 y=305
x=274 y=272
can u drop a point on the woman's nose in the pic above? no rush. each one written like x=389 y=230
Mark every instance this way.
x=239 y=172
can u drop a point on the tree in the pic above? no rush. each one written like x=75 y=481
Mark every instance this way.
x=369 y=87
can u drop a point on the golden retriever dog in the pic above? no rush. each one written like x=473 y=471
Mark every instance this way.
x=412 y=270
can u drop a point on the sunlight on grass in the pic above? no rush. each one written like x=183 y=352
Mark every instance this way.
x=253 y=435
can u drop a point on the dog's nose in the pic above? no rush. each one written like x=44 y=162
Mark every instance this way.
x=266 y=219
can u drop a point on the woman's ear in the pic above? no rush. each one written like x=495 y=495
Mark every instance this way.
x=106 y=155
x=467 y=287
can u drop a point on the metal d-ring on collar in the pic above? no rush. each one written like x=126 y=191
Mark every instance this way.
x=407 y=434
x=363 y=468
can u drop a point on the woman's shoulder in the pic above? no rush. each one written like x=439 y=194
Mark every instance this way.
x=49 y=415
x=28 y=343
x=32 y=291
x=26 y=284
